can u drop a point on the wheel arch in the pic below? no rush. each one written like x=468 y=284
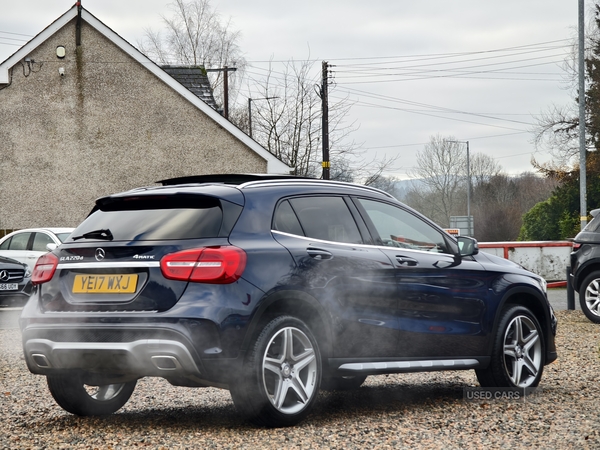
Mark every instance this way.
x=533 y=300
x=584 y=272
x=298 y=304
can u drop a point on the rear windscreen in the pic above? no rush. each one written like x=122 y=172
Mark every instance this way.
x=147 y=220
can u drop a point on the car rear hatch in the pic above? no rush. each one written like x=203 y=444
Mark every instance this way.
x=136 y=251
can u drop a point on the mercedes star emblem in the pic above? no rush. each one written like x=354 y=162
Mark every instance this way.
x=4 y=275
x=100 y=254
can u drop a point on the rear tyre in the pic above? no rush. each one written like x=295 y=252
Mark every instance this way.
x=518 y=354
x=280 y=378
x=589 y=296
x=81 y=399
x=345 y=383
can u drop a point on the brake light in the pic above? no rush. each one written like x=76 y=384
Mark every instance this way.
x=576 y=245
x=220 y=265
x=44 y=268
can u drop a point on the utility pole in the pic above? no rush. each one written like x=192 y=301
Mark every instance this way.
x=470 y=220
x=325 y=119
x=225 y=71
x=582 y=152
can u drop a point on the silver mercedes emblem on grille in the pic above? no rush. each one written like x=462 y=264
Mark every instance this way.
x=100 y=254
x=4 y=275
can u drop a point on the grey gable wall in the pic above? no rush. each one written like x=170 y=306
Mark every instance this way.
x=108 y=125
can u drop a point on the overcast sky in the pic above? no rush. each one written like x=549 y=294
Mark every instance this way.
x=477 y=70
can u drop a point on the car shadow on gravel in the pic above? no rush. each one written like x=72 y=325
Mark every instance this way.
x=391 y=397
x=335 y=406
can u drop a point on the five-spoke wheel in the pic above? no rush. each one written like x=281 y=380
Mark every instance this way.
x=523 y=358
x=280 y=378
x=518 y=356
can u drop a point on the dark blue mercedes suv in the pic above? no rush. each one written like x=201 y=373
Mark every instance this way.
x=273 y=287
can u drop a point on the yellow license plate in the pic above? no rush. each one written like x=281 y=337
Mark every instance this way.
x=105 y=284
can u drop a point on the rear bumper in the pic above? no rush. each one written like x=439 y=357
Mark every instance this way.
x=186 y=352
x=149 y=357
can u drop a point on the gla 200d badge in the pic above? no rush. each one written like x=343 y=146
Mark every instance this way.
x=100 y=254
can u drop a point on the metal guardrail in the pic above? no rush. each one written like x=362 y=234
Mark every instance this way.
x=549 y=259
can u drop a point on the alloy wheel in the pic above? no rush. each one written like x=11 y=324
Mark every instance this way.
x=289 y=370
x=522 y=351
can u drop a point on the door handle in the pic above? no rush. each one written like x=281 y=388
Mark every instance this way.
x=406 y=261
x=318 y=253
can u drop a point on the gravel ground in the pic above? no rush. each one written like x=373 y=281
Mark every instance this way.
x=394 y=411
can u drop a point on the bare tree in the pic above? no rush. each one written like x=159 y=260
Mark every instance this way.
x=482 y=168
x=441 y=169
x=287 y=122
x=195 y=35
x=557 y=128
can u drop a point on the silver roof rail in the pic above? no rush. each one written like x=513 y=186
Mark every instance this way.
x=310 y=182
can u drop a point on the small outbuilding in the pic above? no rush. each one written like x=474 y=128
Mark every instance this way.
x=84 y=114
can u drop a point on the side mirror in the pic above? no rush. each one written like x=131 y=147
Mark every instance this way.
x=51 y=246
x=467 y=246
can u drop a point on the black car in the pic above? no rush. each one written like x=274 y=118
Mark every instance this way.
x=585 y=267
x=273 y=288
x=15 y=282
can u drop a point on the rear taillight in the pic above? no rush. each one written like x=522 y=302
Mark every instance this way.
x=220 y=265
x=44 y=268
x=576 y=246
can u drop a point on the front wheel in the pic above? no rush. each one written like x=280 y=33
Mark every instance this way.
x=280 y=378
x=76 y=397
x=589 y=296
x=518 y=353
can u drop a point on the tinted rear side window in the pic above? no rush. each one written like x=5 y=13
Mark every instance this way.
x=326 y=218
x=161 y=219
x=286 y=220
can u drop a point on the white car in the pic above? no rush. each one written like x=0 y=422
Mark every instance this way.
x=29 y=244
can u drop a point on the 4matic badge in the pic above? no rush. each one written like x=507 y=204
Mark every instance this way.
x=143 y=257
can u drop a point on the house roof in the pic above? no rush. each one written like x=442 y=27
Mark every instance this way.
x=194 y=78
x=274 y=165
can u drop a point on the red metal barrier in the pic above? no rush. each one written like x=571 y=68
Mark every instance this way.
x=508 y=246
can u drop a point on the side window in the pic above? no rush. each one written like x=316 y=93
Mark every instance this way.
x=19 y=241
x=286 y=220
x=39 y=242
x=399 y=228
x=326 y=218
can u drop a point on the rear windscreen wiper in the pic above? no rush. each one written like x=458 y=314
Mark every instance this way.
x=96 y=234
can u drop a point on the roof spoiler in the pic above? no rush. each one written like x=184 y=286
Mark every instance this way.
x=229 y=178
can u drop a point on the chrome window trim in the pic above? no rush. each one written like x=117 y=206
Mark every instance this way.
x=380 y=247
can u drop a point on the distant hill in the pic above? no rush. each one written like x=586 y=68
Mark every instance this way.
x=402 y=187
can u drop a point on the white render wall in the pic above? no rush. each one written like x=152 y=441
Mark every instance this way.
x=107 y=125
x=548 y=259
